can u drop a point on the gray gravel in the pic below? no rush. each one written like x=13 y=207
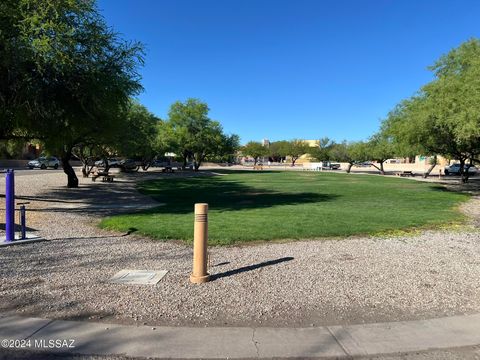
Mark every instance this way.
x=307 y=283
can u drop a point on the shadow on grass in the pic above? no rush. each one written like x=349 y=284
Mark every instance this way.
x=175 y=195
x=441 y=188
x=250 y=268
x=246 y=171
x=221 y=195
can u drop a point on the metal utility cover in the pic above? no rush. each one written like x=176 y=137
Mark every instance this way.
x=138 y=277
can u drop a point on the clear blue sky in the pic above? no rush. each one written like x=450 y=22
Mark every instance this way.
x=282 y=69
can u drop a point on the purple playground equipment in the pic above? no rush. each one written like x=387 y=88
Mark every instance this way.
x=10 y=206
x=10 y=209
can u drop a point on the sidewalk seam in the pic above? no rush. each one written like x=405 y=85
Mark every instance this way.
x=338 y=342
x=254 y=342
x=41 y=328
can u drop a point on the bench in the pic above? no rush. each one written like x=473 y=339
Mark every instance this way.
x=106 y=177
x=257 y=167
x=405 y=173
x=168 y=169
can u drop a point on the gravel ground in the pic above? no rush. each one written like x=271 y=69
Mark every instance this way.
x=307 y=283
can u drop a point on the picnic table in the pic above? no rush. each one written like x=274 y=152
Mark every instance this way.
x=106 y=177
x=168 y=169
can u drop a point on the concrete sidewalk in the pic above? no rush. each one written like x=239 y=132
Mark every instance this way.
x=183 y=342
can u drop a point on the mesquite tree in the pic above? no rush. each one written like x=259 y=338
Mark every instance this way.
x=443 y=118
x=190 y=133
x=65 y=74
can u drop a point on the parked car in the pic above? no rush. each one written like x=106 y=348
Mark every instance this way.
x=454 y=169
x=330 y=166
x=112 y=162
x=44 y=162
x=363 y=164
x=129 y=165
x=168 y=163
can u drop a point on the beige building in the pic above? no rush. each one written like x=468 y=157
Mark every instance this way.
x=306 y=158
x=419 y=165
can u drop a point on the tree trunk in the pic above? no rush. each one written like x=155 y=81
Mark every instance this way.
x=255 y=159
x=349 y=167
x=106 y=165
x=68 y=169
x=463 y=173
x=429 y=170
x=197 y=161
x=146 y=163
x=84 y=170
x=434 y=163
x=379 y=168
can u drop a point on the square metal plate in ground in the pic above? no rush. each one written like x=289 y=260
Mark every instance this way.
x=138 y=277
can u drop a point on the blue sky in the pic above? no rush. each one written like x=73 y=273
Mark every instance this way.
x=281 y=69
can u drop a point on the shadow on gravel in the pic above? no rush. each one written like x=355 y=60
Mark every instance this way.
x=17 y=227
x=250 y=268
x=95 y=198
x=94 y=237
x=104 y=198
x=161 y=195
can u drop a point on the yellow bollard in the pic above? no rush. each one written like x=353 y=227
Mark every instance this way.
x=200 y=238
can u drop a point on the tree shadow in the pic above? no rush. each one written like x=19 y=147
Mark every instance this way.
x=441 y=188
x=95 y=198
x=221 y=194
x=250 y=268
x=258 y=172
x=175 y=195
x=17 y=227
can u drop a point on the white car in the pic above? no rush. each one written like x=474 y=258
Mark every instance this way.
x=44 y=162
x=454 y=169
x=112 y=162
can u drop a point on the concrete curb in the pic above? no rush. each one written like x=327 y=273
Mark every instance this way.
x=348 y=341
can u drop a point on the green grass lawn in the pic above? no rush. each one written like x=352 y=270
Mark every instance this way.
x=249 y=206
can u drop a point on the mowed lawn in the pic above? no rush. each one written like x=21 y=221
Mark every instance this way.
x=248 y=206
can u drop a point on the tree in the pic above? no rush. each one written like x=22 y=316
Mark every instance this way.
x=87 y=152
x=137 y=134
x=352 y=153
x=297 y=148
x=278 y=150
x=11 y=149
x=380 y=148
x=65 y=74
x=444 y=117
x=255 y=150
x=323 y=151
x=228 y=147
x=190 y=133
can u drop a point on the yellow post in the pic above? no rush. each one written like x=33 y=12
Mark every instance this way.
x=200 y=238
